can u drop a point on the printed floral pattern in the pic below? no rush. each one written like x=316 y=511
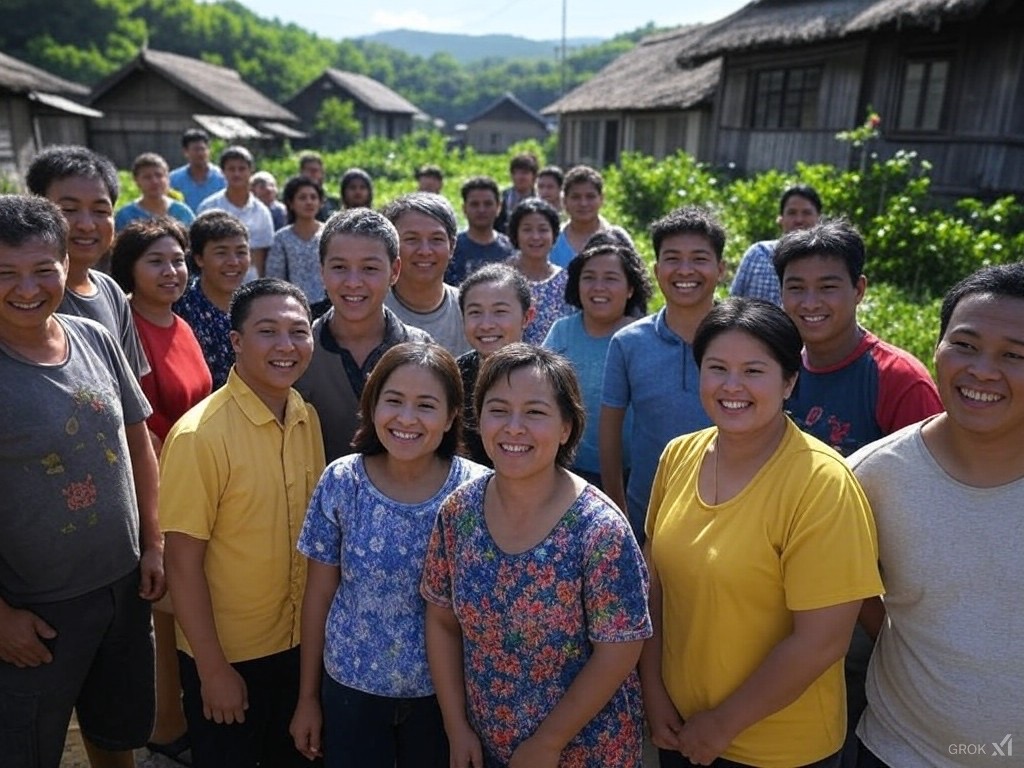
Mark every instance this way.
x=549 y=301
x=529 y=620
x=212 y=328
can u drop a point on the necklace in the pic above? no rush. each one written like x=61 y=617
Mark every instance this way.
x=715 y=474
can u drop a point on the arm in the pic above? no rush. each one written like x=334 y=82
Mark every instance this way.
x=259 y=259
x=20 y=633
x=872 y=616
x=223 y=690
x=277 y=260
x=321 y=585
x=146 y=477
x=444 y=654
x=663 y=718
x=609 y=446
x=819 y=639
x=595 y=684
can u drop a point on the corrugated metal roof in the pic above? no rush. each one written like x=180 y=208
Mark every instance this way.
x=224 y=127
x=64 y=105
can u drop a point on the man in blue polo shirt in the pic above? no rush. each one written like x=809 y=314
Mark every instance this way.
x=197 y=179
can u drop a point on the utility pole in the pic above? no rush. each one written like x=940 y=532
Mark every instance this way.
x=564 y=3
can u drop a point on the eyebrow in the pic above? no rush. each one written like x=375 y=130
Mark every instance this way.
x=390 y=391
x=968 y=331
x=755 y=361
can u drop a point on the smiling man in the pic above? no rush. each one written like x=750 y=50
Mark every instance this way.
x=420 y=297
x=237 y=472
x=480 y=243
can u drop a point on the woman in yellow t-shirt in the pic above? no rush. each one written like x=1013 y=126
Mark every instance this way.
x=761 y=548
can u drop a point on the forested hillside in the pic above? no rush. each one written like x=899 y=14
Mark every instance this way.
x=83 y=40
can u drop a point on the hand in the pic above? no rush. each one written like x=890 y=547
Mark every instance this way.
x=704 y=737
x=306 y=727
x=225 y=697
x=663 y=720
x=464 y=747
x=534 y=753
x=152 y=584
x=20 y=631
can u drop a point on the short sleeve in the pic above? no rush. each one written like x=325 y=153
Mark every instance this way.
x=320 y=538
x=262 y=234
x=830 y=553
x=189 y=487
x=277 y=258
x=615 y=582
x=436 y=584
x=615 y=391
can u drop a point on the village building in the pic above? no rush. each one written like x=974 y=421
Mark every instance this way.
x=503 y=123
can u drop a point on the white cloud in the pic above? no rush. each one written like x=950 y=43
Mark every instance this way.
x=413 y=19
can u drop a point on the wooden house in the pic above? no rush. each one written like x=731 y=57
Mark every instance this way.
x=380 y=110
x=36 y=109
x=644 y=101
x=152 y=99
x=503 y=123
x=946 y=77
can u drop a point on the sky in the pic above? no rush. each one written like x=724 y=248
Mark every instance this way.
x=534 y=19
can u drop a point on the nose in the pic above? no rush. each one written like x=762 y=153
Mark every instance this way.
x=514 y=424
x=983 y=368
x=81 y=219
x=27 y=286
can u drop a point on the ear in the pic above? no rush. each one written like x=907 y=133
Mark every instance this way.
x=236 y=341
x=790 y=386
x=860 y=287
x=778 y=221
x=396 y=270
x=528 y=315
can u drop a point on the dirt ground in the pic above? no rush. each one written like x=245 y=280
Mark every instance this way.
x=75 y=757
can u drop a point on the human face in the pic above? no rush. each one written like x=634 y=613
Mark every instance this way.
x=522 y=180
x=306 y=203
x=160 y=274
x=223 y=264
x=266 y=193
x=152 y=181
x=313 y=170
x=979 y=368
x=798 y=213
x=688 y=270
x=274 y=346
x=604 y=289
x=357 y=194
x=86 y=204
x=412 y=413
x=535 y=236
x=32 y=277
x=358 y=275
x=481 y=209
x=583 y=202
x=549 y=191
x=424 y=248
x=197 y=153
x=429 y=184
x=521 y=425
x=493 y=317
x=237 y=173
x=820 y=299
x=742 y=387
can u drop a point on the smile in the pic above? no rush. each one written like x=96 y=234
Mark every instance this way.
x=980 y=397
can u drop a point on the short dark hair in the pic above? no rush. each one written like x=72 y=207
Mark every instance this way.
x=499 y=274
x=806 y=191
x=193 y=135
x=66 y=161
x=524 y=161
x=351 y=175
x=291 y=189
x=429 y=204
x=24 y=218
x=360 y=222
x=760 y=319
x=214 y=225
x=524 y=209
x=236 y=152
x=1003 y=280
x=582 y=174
x=247 y=293
x=555 y=172
x=480 y=182
x=556 y=369
x=689 y=220
x=148 y=160
x=309 y=157
x=430 y=170
x=431 y=357
x=837 y=238
x=132 y=242
x=632 y=266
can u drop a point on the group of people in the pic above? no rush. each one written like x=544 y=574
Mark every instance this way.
x=427 y=498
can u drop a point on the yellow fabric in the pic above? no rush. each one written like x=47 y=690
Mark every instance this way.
x=230 y=474
x=800 y=536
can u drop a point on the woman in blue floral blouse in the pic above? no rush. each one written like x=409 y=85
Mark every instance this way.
x=536 y=589
x=365 y=537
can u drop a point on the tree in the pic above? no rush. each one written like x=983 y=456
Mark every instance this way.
x=336 y=124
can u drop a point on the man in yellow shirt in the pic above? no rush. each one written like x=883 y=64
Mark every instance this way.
x=237 y=472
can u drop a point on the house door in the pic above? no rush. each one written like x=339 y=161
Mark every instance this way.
x=611 y=142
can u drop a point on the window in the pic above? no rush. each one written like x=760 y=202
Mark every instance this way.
x=643 y=135
x=786 y=98
x=923 y=95
x=675 y=134
x=590 y=135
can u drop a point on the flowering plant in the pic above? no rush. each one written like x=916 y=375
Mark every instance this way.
x=865 y=132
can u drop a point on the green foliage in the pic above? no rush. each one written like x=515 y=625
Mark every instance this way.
x=896 y=316
x=336 y=125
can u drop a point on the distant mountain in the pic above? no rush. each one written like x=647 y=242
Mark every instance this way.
x=471 y=48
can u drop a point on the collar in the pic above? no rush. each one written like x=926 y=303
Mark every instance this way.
x=256 y=411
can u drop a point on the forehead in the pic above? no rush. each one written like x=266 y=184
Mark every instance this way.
x=816 y=267
x=230 y=242
x=165 y=243
x=986 y=312
x=492 y=293
x=603 y=262
x=347 y=247
x=275 y=309
x=236 y=164
x=35 y=250
x=86 y=190
x=416 y=221
x=150 y=168
x=481 y=195
x=536 y=220
x=582 y=188
x=526 y=383
x=686 y=242
x=798 y=202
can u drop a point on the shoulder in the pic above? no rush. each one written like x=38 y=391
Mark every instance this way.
x=894 y=360
x=465 y=470
x=89 y=332
x=886 y=453
x=637 y=332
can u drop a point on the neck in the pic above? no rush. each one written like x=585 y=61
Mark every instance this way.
x=420 y=298
x=349 y=334
x=237 y=197
x=834 y=351
x=157 y=314
x=975 y=460
x=44 y=343
x=198 y=171
x=481 y=235
x=78 y=279
x=580 y=230
x=522 y=497
x=534 y=267
x=306 y=227
x=751 y=449
x=157 y=205
x=684 y=320
x=411 y=473
x=601 y=328
x=275 y=400
x=217 y=298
